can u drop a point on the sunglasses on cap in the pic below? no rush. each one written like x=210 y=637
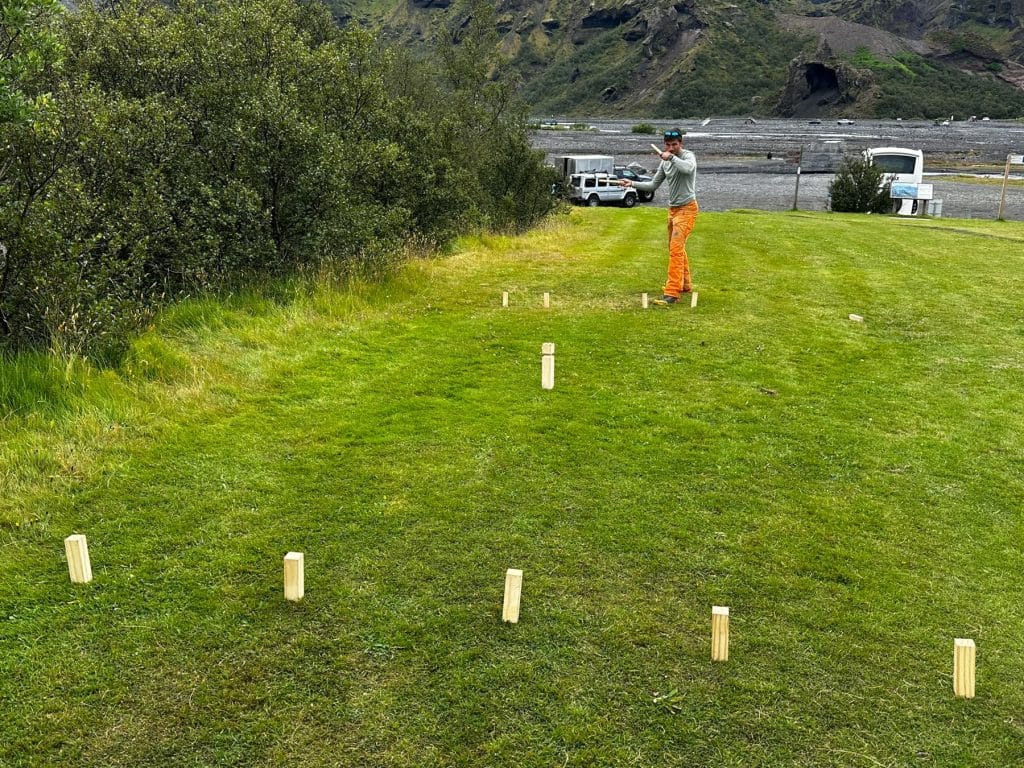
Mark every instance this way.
x=673 y=135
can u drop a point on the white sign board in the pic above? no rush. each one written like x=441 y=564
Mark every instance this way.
x=1016 y=159
x=907 y=191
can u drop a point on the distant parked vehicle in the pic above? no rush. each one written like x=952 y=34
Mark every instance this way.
x=594 y=189
x=622 y=172
x=901 y=166
x=570 y=164
x=844 y=121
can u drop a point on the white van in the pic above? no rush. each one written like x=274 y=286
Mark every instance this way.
x=901 y=166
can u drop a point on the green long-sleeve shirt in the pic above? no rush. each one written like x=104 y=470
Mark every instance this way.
x=681 y=174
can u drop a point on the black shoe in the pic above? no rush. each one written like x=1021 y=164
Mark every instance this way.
x=666 y=299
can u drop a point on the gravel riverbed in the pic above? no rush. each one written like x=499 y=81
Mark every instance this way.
x=752 y=165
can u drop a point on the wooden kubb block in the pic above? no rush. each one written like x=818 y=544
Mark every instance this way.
x=964 y=656
x=719 y=633
x=79 y=568
x=294 y=576
x=547 y=365
x=513 y=596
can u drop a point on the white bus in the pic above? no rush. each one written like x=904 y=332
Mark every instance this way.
x=901 y=166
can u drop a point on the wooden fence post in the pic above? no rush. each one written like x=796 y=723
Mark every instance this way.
x=1002 y=194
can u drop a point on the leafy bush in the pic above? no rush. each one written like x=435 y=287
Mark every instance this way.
x=859 y=187
x=28 y=44
x=644 y=128
x=191 y=147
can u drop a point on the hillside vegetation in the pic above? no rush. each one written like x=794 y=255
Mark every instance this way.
x=850 y=490
x=666 y=58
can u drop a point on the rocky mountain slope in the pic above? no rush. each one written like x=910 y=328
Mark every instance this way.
x=921 y=58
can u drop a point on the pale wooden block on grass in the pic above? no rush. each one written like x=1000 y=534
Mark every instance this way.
x=719 y=633
x=513 y=596
x=504 y=298
x=643 y=300
x=79 y=567
x=964 y=654
x=856 y=318
x=693 y=300
x=547 y=300
x=294 y=576
x=547 y=365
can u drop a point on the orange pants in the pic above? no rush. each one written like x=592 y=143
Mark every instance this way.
x=681 y=219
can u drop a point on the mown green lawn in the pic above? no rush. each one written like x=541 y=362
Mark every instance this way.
x=852 y=491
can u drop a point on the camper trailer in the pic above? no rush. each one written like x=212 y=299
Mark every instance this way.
x=570 y=164
x=905 y=168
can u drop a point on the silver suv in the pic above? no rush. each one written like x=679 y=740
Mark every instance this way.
x=597 y=188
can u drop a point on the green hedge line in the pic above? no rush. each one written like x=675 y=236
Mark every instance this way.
x=175 y=150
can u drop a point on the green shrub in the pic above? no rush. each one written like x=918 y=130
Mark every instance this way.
x=859 y=188
x=644 y=128
x=197 y=145
x=28 y=45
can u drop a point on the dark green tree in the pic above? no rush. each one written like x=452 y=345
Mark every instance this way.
x=859 y=187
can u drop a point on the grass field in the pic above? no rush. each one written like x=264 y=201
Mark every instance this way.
x=852 y=491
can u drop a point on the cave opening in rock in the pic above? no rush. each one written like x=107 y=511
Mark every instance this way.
x=820 y=78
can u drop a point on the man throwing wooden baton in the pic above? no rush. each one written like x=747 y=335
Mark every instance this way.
x=679 y=167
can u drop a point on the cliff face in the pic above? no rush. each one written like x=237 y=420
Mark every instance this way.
x=916 y=18
x=692 y=57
